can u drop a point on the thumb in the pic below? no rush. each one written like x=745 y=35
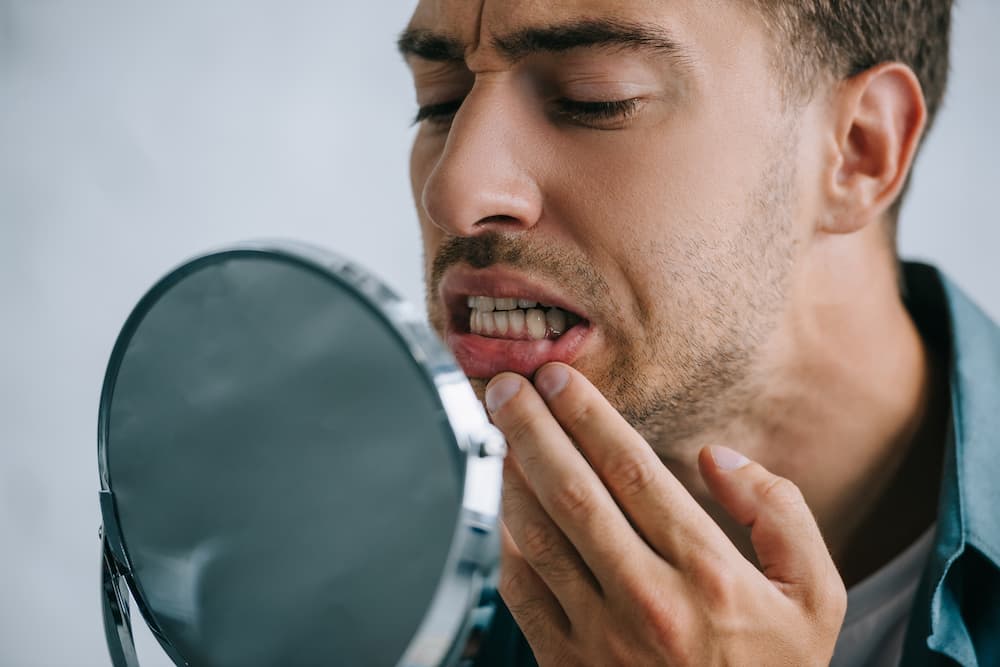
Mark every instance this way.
x=789 y=546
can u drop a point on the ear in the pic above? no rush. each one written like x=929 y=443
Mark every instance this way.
x=879 y=118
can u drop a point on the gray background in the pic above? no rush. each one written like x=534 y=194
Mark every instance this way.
x=135 y=134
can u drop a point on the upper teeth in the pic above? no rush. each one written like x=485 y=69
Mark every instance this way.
x=488 y=303
x=517 y=318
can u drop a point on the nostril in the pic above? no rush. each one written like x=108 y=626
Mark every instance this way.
x=498 y=218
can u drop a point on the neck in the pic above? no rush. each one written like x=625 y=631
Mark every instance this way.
x=854 y=410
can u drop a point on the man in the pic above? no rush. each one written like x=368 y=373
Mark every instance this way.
x=660 y=238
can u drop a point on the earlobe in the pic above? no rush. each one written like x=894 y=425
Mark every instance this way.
x=880 y=117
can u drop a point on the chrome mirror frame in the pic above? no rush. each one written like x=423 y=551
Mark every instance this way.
x=464 y=595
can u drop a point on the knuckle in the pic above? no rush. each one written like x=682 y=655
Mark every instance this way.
x=630 y=476
x=650 y=602
x=539 y=544
x=717 y=583
x=833 y=600
x=531 y=615
x=826 y=605
x=518 y=427
x=661 y=619
x=621 y=650
x=549 y=555
x=513 y=584
x=839 y=610
x=782 y=493
x=669 y=624
x=578 y=417
x=516 y=497
x=528 y=611
x=521 y=598
x=572 y=498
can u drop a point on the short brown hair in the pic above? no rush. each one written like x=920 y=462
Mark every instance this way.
x=847 y=37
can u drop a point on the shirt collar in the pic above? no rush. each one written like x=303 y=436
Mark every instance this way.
x=975 y=404
x=967 y=515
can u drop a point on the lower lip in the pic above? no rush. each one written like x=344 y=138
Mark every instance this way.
x=482 y=357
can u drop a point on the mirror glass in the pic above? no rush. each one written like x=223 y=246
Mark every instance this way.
x=286 y=481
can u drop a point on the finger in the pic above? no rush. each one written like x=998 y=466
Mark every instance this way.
x=531 y=603
x=788 y=543
x=563 y=482
x=658 y=505
x=546 y=549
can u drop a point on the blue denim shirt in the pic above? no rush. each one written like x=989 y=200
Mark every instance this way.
x=955 y=617
x=956 y=612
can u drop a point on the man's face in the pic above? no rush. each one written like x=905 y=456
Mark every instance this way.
x=632 y=162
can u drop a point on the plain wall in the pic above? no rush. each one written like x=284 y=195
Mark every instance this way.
x=135 y=134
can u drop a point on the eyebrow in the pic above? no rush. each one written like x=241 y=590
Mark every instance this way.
x=430 y=46
x=519 y=44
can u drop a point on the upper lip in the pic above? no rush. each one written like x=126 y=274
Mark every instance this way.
x=463 y=281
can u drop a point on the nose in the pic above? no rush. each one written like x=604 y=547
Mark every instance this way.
x=482 y=180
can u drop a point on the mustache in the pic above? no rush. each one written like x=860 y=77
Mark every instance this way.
x=478 y=251
x=561 y=266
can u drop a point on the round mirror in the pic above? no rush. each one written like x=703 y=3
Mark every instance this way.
x=293 y=470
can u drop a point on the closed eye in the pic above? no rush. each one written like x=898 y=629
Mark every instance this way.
x=577 y=111
x=438 y=113
x=597 y=114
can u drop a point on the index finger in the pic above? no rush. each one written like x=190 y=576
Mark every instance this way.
x=566 y=487
x=658 y=505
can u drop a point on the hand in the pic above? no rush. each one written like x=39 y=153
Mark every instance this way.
x=608 y=560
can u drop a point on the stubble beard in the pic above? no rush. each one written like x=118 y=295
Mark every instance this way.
x=688 y=373
x=714 y=357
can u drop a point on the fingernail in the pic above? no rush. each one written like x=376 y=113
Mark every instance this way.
x=551 y=380
x=728 y=459
x=501 y=391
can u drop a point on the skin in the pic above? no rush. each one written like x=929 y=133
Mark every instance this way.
x=726 y=241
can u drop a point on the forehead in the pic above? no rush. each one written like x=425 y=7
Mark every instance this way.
x=463 y=17
x=701 y=25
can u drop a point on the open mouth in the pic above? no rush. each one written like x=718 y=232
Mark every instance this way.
x=501 y=320
x=518 y=319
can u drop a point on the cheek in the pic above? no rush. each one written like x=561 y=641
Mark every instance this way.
x=667 y=193
x=640 y=204
x=660 y=212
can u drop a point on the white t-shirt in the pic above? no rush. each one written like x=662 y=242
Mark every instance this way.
x=878 y=610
